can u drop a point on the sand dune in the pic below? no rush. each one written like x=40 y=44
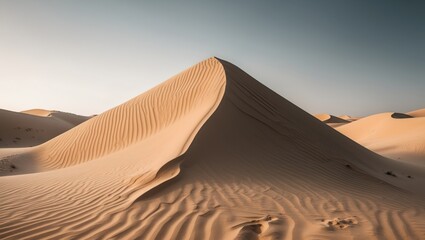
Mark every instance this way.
x=38 y=112
x=417 y=113
x=172 y=110
x=395 y=135
x=34 y=127
x=331 y=120
x=71 y=118
x=349 y=118
x=209 y=154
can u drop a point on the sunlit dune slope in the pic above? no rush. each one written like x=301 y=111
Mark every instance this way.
x=183 y=100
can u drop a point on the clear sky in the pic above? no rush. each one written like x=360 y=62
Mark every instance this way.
x=339 y=57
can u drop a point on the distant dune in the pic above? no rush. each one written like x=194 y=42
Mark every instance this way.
x=209 y=154
x=71 y=118
x=33 y=127
x=349 y=118
x=417 y=113
x=331 y=120
x=395 y=135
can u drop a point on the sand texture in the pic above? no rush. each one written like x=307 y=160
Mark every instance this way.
x=209 y=154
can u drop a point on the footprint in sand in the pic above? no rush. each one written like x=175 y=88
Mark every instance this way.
x=253 y=229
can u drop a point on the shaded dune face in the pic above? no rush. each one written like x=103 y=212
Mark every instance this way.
x=227 y=158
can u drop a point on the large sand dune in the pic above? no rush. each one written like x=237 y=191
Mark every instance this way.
x=209 y=154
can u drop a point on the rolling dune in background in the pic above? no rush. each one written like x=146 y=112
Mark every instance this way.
x=209 y=154
x=33 y=127
x=417 y=113
x=331 y=120
x=394 y=135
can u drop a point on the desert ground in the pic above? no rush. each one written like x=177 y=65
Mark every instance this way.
x=211 y=153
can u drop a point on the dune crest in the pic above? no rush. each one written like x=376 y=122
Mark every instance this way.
x=210 y=154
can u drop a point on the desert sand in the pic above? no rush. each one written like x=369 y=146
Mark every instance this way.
x=209 y=154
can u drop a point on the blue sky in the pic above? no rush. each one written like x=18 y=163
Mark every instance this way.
x=339 y=57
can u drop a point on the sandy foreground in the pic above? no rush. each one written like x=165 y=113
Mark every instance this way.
x=209 y=154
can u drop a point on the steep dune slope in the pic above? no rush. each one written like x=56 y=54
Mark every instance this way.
x=394 y=135
x=26 y=129
x=257 y=167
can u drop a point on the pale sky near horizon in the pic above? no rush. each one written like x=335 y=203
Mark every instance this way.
x=338 y=57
